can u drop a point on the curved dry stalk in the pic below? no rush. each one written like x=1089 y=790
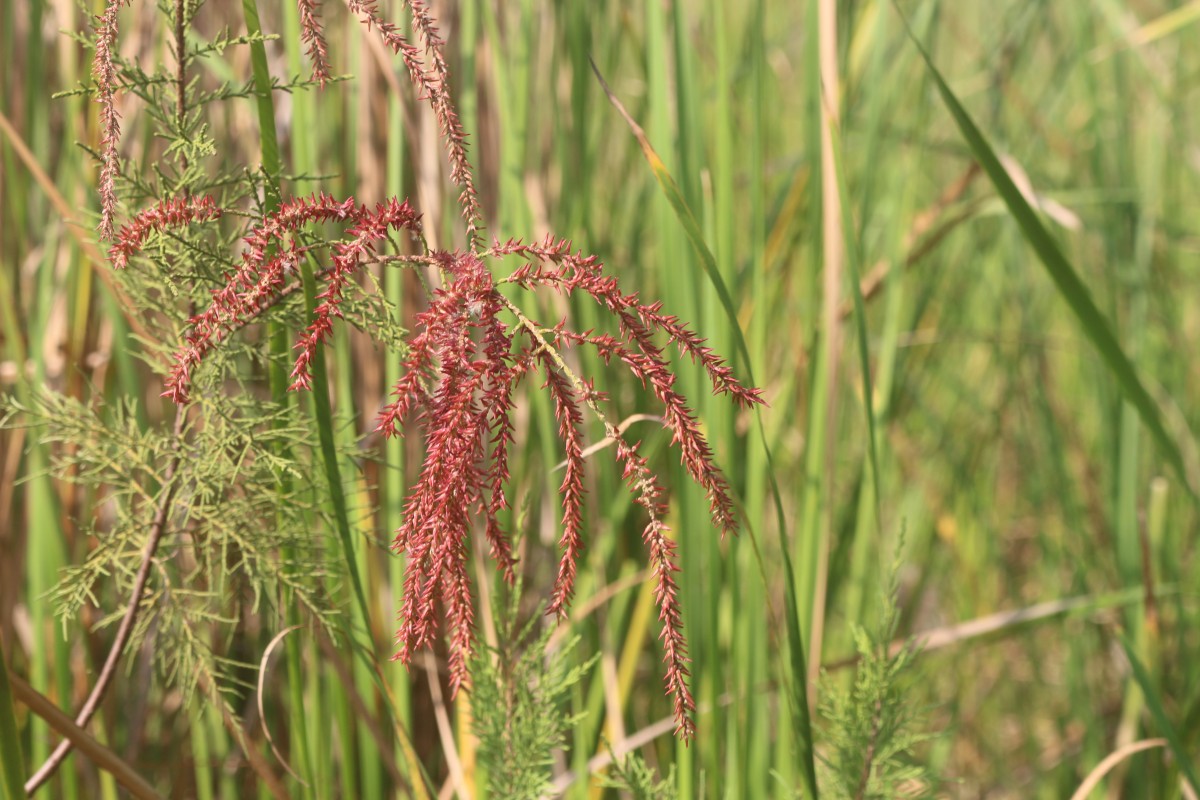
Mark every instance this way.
x=950 y=635
x=257 y=760
x=608 y=441
x=583 y=610
x=86 y=245
x=157 y=528
x=441 y=715
x=262 y=714
x=1110 y=761
x=637 y=739
x=100 y=755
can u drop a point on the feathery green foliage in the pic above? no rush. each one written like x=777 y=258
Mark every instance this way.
x=873 y=726
x=518 y=693
x=633 y=775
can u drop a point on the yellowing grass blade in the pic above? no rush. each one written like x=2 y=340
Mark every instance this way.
x=1158 y=28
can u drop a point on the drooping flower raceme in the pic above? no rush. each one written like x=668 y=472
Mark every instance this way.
x=471 y=348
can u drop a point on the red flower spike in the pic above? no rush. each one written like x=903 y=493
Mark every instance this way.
x=104 y=71
x=369 y=227
x=436 y=515
x=229 y=310
x=462 y=365
x=570 y=420
x=661 y=550
x=434 y=86
x=460 y=372
x=165 y=214
x=260 y=279
x=500 y=380
x=313 y=35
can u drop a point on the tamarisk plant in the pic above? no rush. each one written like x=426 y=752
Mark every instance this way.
x=472 y=348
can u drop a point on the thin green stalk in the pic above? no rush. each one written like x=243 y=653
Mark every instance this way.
x=670 y=189
x=754 y=651
x=202 y=754
x=860 y=315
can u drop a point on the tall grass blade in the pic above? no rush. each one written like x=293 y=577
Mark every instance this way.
x=264 y=103
x=799 y=672
x=802 y=716
x=860 y=313
x=1154 y=703
x=690 y=226
x=1094 y=324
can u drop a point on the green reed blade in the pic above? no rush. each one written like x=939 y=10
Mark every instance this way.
x=708 y=261
x=860 y=313
x=1070 y=286
x=1154 y=702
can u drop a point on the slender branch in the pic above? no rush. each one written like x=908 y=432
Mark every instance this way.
x=610 y=429
x=864 y=778
x=255 y=759
x=181 y=71
x=100 y=755
x=157 y=528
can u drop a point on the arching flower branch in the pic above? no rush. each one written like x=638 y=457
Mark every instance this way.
x=461 y=370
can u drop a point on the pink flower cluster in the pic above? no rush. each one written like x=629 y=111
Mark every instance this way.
x=461 y=370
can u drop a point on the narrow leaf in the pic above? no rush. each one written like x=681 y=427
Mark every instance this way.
x=853 y=259
x=1072 y=288
x=1154 y=703
x=684 y=214
x=801 y=716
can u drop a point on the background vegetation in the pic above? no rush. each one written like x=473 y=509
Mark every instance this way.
x=1048 y=552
